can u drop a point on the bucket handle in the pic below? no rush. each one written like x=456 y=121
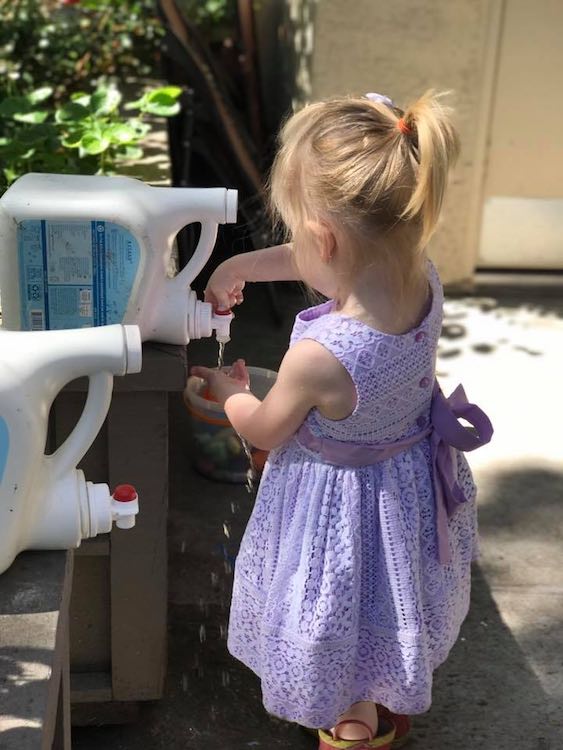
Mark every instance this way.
x=200 y=256
x=70 y=453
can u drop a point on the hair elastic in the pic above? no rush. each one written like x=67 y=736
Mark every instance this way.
x=403 y=127
x=380 y=99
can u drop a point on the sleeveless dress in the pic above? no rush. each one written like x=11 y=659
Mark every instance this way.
x=339 y=595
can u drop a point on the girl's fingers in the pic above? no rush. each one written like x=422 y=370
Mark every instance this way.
x=201 y=372
x=237 y=370
x=223 y=298
x=220 y=299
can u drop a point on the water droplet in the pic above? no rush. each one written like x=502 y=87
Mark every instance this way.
x=185 y=682
x=226 y=530
x=202 y=633
x=227 y=566
x=183 y=546
x=214 y=579
x=251 y=473
x=225 y=678
x=223 y=631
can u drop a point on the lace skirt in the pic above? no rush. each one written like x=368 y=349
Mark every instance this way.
x=338 y=594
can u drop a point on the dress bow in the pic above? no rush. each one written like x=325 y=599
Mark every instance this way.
x=447 y=435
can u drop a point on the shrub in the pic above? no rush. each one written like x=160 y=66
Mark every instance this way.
x=88 y=134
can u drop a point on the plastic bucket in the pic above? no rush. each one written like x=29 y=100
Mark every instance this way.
x=217 y=451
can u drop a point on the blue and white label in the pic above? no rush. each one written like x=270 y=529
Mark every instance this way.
x=75 y=274
x=4 y=446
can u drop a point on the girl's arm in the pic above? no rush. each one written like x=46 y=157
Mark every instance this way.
x=226 y=283
x=309 y=376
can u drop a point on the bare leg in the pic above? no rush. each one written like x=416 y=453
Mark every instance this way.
x=364 y=711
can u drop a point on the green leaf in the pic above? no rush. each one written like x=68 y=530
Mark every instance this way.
x=36 y=133
x=161 y=101
x=137 y=104
x=162 y=110
x=13 y=105
x=39 y=95
x=10 y=174
x=92 y=144
x=72 y=138
x=170 y=92
x=81 y=98
x=130 y=152
x=156 y=99
x=141 y=128
x=14 y=149
x=121 y=133
x=104 y=101
x=71 y=111
x=33 y=117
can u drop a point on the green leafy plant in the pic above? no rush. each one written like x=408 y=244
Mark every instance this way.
x=66 y=44
x=87 y=134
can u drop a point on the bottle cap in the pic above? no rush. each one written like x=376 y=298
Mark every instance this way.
x=125 y=493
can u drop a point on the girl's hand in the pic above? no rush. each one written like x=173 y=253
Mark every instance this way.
x=222 y=384
x=224 y=288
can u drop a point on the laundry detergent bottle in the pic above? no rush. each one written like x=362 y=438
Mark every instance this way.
x=45 y=502
x=80 y=251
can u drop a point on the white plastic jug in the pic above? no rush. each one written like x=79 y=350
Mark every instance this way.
x=45 y=502
x=80 y=251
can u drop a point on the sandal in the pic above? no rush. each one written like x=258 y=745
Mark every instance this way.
x=402 y=722
x=382 y=741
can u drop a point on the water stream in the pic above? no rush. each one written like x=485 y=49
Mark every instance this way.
x=251 y=473
x=221 y=355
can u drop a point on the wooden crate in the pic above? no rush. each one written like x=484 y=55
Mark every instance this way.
x=119 y=596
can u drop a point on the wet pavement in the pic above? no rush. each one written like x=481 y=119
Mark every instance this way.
x=502 y=686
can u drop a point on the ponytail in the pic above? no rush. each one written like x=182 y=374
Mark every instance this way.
x=427 y=125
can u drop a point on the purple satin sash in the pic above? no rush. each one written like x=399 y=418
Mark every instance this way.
x=446 y=435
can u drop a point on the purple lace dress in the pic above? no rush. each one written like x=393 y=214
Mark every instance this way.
x=338 y=594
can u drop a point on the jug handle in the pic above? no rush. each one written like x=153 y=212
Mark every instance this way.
x=200 y=256
x=69 y=454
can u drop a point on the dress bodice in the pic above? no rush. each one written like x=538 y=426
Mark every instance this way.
x=393 y=374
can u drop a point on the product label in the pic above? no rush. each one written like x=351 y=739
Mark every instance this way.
x=4 y=446
x=75 y=274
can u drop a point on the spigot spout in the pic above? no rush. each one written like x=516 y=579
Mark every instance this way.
x=221 y=323
x=203 y=320
x=124 y=506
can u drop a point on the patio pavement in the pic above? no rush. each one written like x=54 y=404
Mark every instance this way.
x=502 y=686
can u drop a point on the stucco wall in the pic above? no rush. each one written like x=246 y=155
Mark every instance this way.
x=401 y=49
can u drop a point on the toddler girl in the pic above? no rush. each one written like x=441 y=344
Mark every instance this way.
x=353 y=574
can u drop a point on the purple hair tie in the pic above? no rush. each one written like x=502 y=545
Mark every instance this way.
x=380 y=99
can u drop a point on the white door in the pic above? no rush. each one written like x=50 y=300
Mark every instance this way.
x=522 y=223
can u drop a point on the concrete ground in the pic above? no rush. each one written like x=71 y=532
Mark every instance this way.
x=502 y=686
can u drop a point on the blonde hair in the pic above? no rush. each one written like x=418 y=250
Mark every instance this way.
x=377 y=171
